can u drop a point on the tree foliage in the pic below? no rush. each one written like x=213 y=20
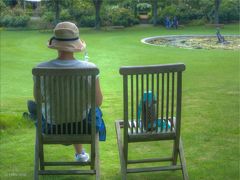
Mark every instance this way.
x=96 y=13
x=229 y=11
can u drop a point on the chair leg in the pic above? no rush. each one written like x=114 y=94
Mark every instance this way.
x=36 y=161
x=41 y=156
x=97 y=157
x=120 y=150
x=183 y=161
x=175 y=151
x=93 y=154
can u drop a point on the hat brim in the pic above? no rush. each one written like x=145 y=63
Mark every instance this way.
x=68 y=46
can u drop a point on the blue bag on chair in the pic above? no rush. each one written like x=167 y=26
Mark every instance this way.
x=149 y=112
x=100 y=125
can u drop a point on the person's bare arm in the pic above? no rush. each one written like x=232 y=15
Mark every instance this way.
x=99 y=96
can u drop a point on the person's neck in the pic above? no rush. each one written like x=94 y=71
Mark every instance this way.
x=62 y=55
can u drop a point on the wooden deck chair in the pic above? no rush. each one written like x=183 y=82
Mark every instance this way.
x=63 y=97
x=152 y=112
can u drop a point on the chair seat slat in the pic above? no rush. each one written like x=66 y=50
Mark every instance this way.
x=66 y=172
x=150 y=160
x=151 y=169
x=66 y=163
x=66 y=139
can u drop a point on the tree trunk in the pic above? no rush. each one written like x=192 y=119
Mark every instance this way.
x=155 y=7
x=97 y=5
x=217 y=4
x=135 y=11
x=57 y=11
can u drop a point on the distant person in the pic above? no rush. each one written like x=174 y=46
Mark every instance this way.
x=167 y=22
x=175 y=22
x=66 y=41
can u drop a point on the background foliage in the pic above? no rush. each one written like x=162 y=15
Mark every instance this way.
x=115 y=12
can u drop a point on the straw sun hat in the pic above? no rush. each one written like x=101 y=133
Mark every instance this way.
x=66 y=38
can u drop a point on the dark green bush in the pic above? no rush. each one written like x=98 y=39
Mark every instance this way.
x=48 y=16
x=229 y=11
x=15 y=17
x=47 y=20
x=6 y=21
x=14 y=21
x=118 y=16
x=65 y=15
x=87 y=21
x=2 y=7
x=204 y=11
x=20 y=21
x=82 y=12
x=169 y=11
x=182 y=12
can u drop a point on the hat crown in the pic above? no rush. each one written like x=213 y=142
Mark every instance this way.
x=66 y=38
x=66 y=30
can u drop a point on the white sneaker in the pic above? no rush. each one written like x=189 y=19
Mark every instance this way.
x=83 y=157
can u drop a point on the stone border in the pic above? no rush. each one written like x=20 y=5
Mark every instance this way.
x=146 y=40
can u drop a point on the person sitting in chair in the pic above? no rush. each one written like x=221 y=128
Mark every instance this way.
x=66 y=41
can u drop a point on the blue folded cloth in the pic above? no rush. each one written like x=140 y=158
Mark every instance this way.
x=159 y=123
x=100 y=125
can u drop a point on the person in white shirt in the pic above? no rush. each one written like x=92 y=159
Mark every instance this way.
x=66 y=41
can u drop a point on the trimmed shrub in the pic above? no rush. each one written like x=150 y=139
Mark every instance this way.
x=2 y=7
x=20 y=21
x=15 y=17
x=82 y=12
x=229 y=11
x=48 y=16
x=182 y=12
x=65 y=15
x=197 y=15
x=87 y=21
x=14 y=21
x=118 y=16
x=47 y=20
x=168 y=11
x=6 y=21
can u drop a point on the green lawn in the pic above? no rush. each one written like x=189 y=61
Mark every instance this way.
x=210 y=127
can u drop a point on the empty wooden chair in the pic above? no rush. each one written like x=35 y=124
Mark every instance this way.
x=152 y=112
x=63 y=98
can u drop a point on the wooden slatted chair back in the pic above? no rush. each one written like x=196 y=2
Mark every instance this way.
x=152 y=98
x=64 y=97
